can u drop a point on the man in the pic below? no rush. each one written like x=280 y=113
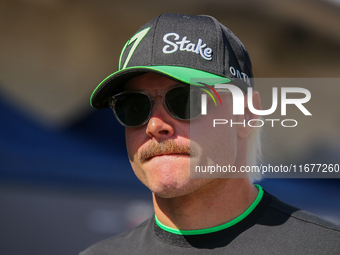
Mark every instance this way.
x=157 y=94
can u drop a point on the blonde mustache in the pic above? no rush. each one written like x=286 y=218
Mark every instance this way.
x=165 y=147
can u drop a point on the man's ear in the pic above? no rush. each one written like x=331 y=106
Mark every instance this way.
x=248 y=115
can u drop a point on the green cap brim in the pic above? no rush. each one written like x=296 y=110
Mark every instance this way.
x=99 y=97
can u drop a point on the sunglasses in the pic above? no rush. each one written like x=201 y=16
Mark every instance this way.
x=134 y=108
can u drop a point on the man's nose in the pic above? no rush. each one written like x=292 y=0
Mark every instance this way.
x=161 y=124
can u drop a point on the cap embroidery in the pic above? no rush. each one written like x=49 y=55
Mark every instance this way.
x=241 y=75
x=186 y=45
x=137 y=39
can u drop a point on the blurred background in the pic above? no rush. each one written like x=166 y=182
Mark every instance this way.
x=65 y=180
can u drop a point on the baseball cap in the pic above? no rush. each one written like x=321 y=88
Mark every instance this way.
x=183 y=48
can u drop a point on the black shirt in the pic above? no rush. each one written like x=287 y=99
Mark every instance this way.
x=273 y=227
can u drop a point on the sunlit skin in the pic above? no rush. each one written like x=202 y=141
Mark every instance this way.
x=180 y=201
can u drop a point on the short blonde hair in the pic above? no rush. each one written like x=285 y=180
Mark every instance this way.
x=254 y=149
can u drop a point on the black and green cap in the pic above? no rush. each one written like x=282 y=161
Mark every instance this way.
x=183 y=48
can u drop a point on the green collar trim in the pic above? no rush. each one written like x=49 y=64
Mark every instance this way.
x=217 y=228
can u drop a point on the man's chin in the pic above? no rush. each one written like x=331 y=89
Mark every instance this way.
x=171 y=191
x=170 y=194
x=179 y=190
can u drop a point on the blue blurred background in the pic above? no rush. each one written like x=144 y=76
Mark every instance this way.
x=65 y=180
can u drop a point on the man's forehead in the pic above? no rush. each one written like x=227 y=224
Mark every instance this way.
x=149 y=81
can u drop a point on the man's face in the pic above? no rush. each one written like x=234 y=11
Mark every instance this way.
x=159 y=151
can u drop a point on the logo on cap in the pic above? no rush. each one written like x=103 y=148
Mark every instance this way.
x=186 y=45
x=137 y=38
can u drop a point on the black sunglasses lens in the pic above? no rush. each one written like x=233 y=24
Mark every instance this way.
x=132 y=109
x=183 y=102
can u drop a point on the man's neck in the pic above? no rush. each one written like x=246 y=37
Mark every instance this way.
x=214 y=204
